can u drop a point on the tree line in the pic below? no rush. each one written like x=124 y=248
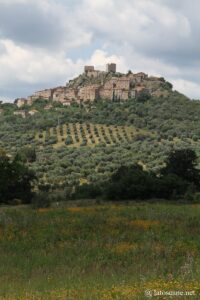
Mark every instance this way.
x=178 y=177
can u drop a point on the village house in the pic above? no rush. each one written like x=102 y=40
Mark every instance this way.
x=66 y=103
x=30 y=100
x=103 y=84
x=48 y=107
x=58 y=92
x=45 y=94
x=32 y=112
x=89 y=92
x=21 y=113
x=20 y=102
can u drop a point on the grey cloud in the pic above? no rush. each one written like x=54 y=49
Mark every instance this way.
x=162 y=29
x=167 y=31
x=29 y=24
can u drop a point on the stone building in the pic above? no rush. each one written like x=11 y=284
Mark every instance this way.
x=58 y=93
x=71 y=94
x=138 y=77
x=44 y=94
x=66 y=103
x=22 y=113
x=48 y=107
x=95 y=84
x=116 y=88
x=111 y=68
x=90 y=92
x=88 y=69
x=20 y=102
x=32 y=112
x=30 y=100
x=94 y=73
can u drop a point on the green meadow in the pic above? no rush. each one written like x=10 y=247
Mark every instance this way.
x=99 y=251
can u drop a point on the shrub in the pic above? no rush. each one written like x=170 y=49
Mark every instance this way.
x=68 y=140
x=41 y=200
x=87 y=191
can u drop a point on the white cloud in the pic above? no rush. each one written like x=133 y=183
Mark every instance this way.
x=34 y=68
x=145 y=24
x=188 y=88
x=39 y=38
x=100 y=58
x=8 y=2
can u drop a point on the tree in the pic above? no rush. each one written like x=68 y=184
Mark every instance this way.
x=130 y=182
x=144 y=96
x=183 y=163
x=68 y=140
x=15 y=181
x=27 y=154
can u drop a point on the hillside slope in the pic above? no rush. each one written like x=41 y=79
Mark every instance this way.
x=87 y=143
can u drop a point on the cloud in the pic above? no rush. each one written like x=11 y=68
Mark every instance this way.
x=40 y=24
x=37 y=68
x=151 y=28
x=186 y=87
x=100 y=58
x=44 y=43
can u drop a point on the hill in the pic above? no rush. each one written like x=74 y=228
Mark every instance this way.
x=87 y=142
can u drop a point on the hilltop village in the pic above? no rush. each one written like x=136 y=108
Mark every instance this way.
x=94 y=84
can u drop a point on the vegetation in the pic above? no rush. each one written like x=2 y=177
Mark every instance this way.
x=15 y=181
x=179 y=176
x=99 y=252
x=92 y=134
x=143 y=149
x=86 y=144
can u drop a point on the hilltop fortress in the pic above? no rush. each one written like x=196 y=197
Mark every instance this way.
x=94 y=84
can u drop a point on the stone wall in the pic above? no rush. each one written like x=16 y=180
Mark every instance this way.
x=90 y=92
x=45 y=94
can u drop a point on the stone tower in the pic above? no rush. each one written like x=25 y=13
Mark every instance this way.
x=88 y=69
x=111 y=68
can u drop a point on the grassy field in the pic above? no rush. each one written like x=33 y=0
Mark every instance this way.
x=88 y=134
x=99 y=252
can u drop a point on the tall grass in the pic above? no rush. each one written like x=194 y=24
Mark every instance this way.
x=99 y=252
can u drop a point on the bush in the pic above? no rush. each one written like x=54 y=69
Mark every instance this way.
x=87 y=191
x=41 y=200
x=68 y=140
x=15 y=181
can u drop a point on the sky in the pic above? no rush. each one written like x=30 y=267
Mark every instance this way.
x=45 y=43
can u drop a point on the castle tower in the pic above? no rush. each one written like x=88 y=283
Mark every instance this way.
x=88 y=69
x=111 y=68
